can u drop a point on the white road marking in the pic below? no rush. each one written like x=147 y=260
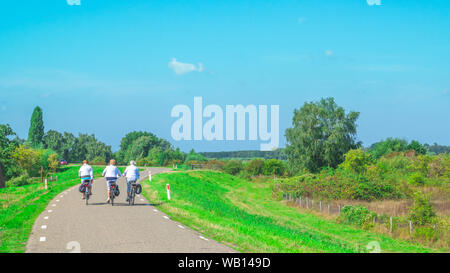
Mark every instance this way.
x=50 y=210
x=42 y=239
x=201 y=237
x=54 y=205
x=180 y=226
x=61 y=196
x=44 y=227
x=57 y=200
x=142 y=199
x=155 y=210
x=166 y=217
x=46 y=217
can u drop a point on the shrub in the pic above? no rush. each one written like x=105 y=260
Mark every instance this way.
x=421 y=211
x=254 y=167
x=340 y=184
x=233 y=167
x=19 y=181
x=416 y=179
x=357 y=215
x=272 y=166
x=426 y=233
x=356 y=161
x=53 y=163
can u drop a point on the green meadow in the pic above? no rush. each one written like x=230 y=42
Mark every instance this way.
x=20 y=206
x=245 y=216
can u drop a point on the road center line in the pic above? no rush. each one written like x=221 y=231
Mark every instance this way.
x=46 y=217
x=44 y=227
x=50 y=210
x=166 y=217
x=201 y=237
x=180 y=226
x=42 y=239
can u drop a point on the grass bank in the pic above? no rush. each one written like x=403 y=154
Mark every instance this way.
x=20 y=206
x=244 y=216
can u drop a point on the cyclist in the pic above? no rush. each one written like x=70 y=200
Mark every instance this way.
x=86 y=173
x=132 y=174
x=111 y=173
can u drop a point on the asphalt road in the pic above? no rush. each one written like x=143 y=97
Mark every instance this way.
x=68 y=225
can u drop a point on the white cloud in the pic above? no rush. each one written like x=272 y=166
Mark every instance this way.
x=329 y=52
x=183 y=68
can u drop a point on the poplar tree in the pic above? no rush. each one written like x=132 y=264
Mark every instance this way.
x=36 y=132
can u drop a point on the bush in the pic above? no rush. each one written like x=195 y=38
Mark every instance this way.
x=98 y=160
x=340 y=184
x=272 y=166
x=233 y=167
x=254 y=167
x=426 y=233
x=356 y=161
x=357 y=215
x=19 y=181
x=416 y=179
x=422 y=212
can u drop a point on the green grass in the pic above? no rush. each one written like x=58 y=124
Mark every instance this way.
x=20 y=206
x=244 y=216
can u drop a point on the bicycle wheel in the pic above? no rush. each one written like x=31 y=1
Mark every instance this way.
x=86 y=196
x=133 y=195
x=112 y=198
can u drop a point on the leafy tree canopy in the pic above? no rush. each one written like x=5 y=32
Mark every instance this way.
x=321 y=134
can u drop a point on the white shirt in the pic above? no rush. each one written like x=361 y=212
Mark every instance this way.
x=86 y=170
x=131 y=172
x=111 y=171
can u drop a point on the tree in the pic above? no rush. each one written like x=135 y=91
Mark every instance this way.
x=388 y=146
x=7 y=146
x=417 y=147
x=321 y=134
x=54 y=140
x=88 y=147
x=36 y=131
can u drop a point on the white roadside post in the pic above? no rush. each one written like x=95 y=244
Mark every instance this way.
x=150 y=176
x=168 y=191
x=46 y=186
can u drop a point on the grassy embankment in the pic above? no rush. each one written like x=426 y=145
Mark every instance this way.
x=244 y=216
x=20 y=206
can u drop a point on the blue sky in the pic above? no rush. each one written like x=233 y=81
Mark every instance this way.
x=103 y=67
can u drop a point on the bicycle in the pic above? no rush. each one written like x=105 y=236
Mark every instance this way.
x=112 y=191
x=132 y=195
x=87 y=192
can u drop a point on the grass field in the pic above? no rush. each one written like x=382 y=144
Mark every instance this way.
x=20 y=206
x=244 y=216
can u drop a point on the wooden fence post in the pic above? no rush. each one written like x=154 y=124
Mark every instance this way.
x=390 y=226
x=410 y=227
x=320 y=205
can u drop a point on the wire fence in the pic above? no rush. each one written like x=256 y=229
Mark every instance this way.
x=390 y=223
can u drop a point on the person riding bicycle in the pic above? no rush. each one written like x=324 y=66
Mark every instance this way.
x=132 y=174
x=86 y=173
x=111 y=173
